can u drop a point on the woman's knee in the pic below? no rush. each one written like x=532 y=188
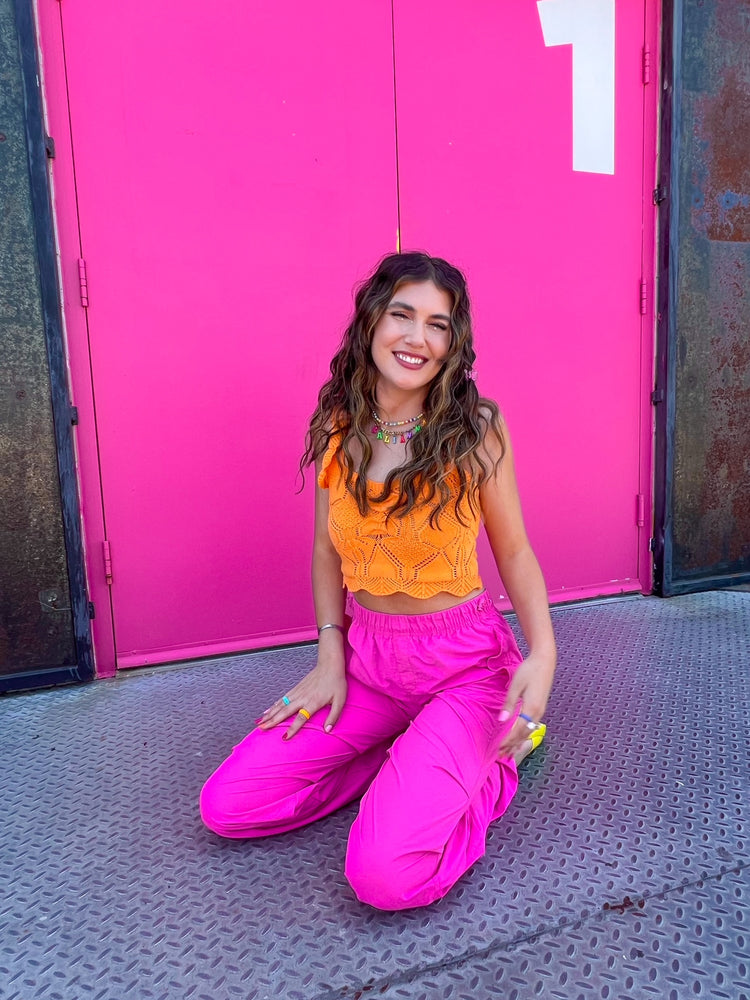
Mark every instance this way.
x=235 y=807
x=244 y=801
x=216 y=807
x=384 y=877
x=372 y=882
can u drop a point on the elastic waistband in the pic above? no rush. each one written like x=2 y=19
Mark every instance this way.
x=434 y=623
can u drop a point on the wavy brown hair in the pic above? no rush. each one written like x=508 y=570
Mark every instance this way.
x=456 y=419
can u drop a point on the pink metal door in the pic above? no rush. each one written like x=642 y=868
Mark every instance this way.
x=521 y=137
x=235 y=171
x=235 y=175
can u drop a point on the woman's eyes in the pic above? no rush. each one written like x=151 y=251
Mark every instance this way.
x=435 y=326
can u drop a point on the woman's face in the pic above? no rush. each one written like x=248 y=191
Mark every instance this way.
x=413 y=336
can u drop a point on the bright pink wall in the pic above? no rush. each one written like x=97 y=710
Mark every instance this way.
x=235 y=175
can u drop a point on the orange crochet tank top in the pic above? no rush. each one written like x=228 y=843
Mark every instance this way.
x=401 y=555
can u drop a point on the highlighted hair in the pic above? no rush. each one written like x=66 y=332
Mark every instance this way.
x=456 y=419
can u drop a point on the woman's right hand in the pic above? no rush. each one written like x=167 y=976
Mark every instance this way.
x=324 y=685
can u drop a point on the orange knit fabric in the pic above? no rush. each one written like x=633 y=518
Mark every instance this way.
x=401 y=555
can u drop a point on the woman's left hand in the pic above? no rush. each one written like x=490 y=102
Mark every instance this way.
x=528 y=693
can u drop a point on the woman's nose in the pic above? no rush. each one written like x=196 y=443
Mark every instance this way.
x=416 y=332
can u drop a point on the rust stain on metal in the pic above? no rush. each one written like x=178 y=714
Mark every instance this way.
x=711 y=505
x=726 y=140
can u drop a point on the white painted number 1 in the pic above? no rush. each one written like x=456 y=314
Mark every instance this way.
x=589 y=26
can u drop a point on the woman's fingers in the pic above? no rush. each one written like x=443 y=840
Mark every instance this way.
x=528 y=710
x=336 y=708
x=274 y=715
x=514 y=695
x=300 y=719
x=336 y=701
x=280 y=713
x=300 y=704
x=515 y=739
x=529 y=689
x=286 y=706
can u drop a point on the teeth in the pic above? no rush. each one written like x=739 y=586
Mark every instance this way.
x=410 y=360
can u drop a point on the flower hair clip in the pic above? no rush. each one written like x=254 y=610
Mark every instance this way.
x=471 y=374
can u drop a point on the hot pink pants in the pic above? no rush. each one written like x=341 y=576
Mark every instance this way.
x=418 y=739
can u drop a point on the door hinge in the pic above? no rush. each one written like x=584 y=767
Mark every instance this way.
x=640 y=510
x=107 y=561
x=83 y=282
x=660 y=193
x=646 y=64
x=643 y=297
x=652 y=544
x=657 y=396
x=74 y=415
x=92 y=610
x=49 y=147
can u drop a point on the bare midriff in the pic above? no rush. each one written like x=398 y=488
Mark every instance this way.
x=405 y=604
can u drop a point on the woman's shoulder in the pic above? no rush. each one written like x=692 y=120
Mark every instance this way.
x=489 y=411
x=330 y=443
x=493 y=429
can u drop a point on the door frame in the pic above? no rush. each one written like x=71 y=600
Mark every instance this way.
x=39 y=148
x=655 y=34
x=666 y=196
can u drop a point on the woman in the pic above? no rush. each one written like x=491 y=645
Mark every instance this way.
x=420 y=701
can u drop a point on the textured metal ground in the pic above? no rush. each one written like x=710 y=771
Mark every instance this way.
x=622 y=870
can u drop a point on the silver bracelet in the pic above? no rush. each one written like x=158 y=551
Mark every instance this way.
x=339 y=628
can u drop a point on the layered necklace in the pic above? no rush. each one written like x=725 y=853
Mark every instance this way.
x=394 y=431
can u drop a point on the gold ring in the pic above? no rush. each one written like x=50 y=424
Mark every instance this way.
x=305 y=714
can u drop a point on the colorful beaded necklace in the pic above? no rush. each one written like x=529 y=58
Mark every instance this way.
x=387 y=430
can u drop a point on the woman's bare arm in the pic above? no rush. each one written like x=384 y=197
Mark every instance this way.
x=326 y=682
x=524 y=583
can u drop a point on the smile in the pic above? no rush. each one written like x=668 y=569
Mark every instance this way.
x=410 y=360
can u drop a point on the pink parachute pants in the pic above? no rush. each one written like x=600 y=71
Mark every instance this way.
x=418 y=739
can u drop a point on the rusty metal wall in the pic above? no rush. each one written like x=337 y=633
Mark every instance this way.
x=36 y=622
x=706 y=538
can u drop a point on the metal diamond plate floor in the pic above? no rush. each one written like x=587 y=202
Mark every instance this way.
x=621 y=871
